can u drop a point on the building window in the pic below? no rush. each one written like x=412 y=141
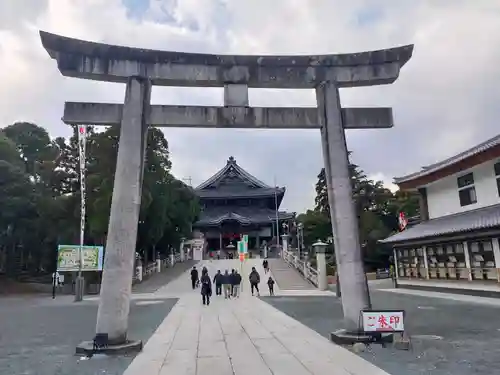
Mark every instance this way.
x=466 y=189
x=497 y=176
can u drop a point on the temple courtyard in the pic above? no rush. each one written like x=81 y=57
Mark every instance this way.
x=450 y=334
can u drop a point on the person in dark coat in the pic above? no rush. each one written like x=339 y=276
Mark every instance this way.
x=218 y=278
x=265 y=264
x=226 y=281
x=254 y=279
x=206 y=287
x=236 y=284
x=232 y=281
x=270 y=284
x=194 y=277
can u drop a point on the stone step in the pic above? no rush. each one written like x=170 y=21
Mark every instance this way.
x=287 y=277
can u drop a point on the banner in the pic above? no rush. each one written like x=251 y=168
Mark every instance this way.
x=68 y=258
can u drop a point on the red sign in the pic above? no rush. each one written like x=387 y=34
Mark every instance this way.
x=383 y=321
x=242 y=257
x=403 y=222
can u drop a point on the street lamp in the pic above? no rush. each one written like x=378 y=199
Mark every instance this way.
x=300 y=238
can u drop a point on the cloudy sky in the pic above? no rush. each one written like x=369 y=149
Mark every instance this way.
x=446 y=99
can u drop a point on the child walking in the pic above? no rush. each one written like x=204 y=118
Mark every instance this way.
x=270 y=284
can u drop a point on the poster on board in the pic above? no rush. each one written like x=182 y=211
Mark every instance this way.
x=68 y=257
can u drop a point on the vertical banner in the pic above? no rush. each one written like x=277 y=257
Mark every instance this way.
x=82 y=142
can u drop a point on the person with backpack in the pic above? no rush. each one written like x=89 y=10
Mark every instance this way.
x=254 y=279
x=270 y=284
x=206 y=287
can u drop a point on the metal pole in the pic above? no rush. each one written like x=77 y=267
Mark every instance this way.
x=276 y=207
x=82 y=141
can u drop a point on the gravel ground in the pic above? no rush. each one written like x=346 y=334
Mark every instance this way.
x=38 y=335
x=467 y=342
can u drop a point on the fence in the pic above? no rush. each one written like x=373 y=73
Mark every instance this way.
x=143 y=272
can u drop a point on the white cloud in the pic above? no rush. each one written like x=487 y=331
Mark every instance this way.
x=445 y=100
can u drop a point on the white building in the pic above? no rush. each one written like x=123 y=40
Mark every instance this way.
x=458 y=236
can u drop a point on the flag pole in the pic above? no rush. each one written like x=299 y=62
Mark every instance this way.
x=82 y=142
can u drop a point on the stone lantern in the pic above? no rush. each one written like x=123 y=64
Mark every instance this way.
x=320 y=248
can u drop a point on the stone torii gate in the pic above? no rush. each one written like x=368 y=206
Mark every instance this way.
x=139 y=69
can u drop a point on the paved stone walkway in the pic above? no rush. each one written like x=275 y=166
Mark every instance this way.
x=239 y=336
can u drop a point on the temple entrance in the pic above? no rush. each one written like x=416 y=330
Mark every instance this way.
x=140 y=69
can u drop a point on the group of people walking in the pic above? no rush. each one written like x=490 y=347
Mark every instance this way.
x=226 y=282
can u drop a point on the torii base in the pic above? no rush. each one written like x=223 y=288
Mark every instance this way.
x=345 y=337
x=129 y=347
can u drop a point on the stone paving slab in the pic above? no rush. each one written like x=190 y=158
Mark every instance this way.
x=458 y=335
x=238 y=336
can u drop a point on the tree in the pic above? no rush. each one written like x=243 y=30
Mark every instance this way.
x=376 y=207
x=40 y=195
x=316 y=226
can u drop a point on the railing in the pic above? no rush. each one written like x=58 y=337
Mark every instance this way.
x=143 y=272
x=302 y=266
x=149 y=269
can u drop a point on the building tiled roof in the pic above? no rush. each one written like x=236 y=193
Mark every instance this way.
x=243 y=215
x=231 y=165
x=468 y=221
x=490 y=143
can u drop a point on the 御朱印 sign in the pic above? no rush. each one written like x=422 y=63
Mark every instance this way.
x=383 y=321
x=68 y=258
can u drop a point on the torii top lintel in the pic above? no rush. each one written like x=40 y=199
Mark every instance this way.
x=105 y=62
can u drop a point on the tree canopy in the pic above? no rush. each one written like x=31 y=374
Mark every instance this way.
x=40 y=195
x=377 y=209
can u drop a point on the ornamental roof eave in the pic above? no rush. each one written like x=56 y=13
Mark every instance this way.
x=250 y=193
x=243 y=216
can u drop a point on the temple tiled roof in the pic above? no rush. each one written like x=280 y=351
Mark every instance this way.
x=463 y=222
x=243 y=215
x=232 y=181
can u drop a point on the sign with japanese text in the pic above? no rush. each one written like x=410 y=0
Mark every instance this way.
x=68 y=258
x=242 y=247
x=383 y=321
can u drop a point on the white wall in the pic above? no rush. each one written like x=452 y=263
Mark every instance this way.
x=442 y=195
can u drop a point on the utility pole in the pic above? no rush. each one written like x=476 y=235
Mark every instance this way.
x=188 y=180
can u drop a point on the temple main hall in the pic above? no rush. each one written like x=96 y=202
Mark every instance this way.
x=234 y=203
